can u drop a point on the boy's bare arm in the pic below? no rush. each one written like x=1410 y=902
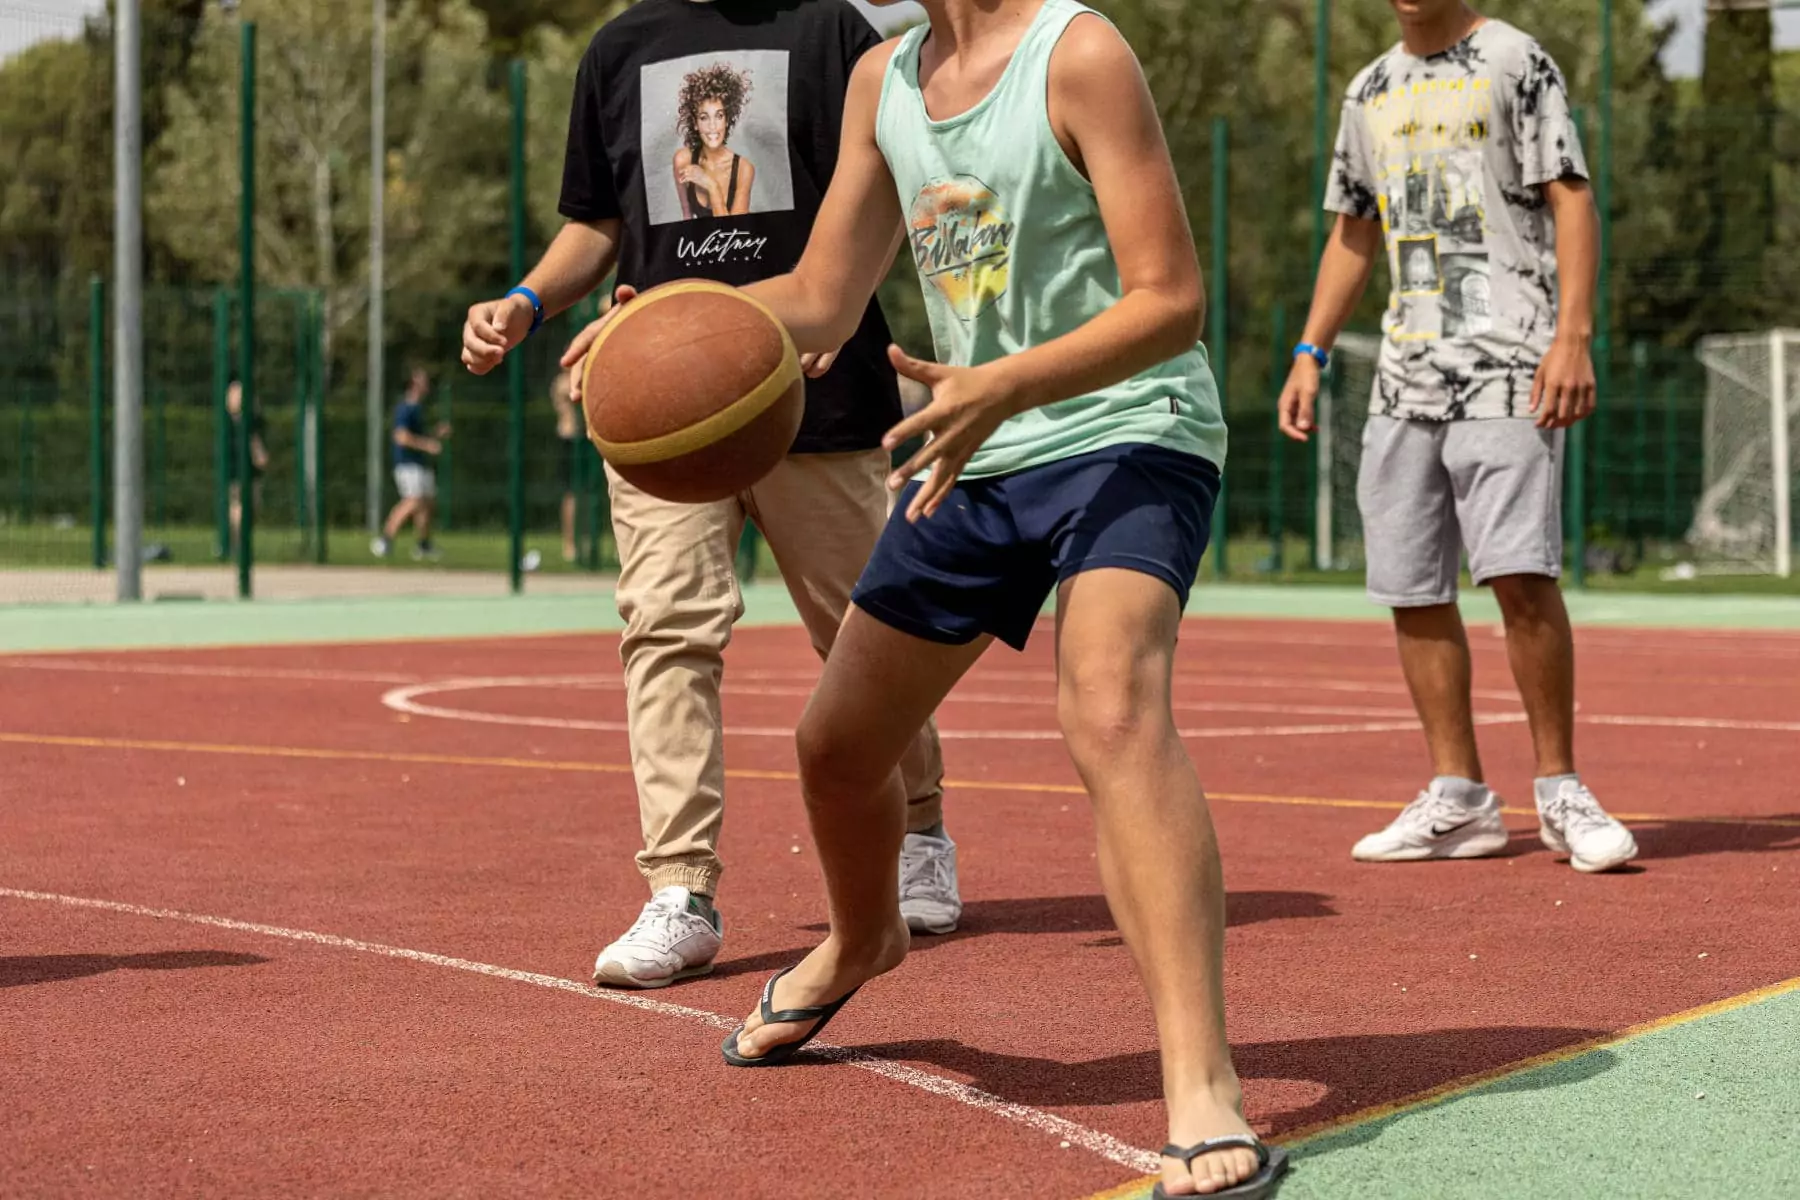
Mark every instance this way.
x=853 y=241
x=580 y=258
x=1564 y=390
x=1344 y=271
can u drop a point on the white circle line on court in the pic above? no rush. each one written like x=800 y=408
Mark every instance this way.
x=408 y=700
x=1091 y=1140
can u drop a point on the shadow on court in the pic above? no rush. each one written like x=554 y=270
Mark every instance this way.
x=1691 y=839
x=1354 y=1071
x=1089 y=914
x=60 y=968
x=1057 y=914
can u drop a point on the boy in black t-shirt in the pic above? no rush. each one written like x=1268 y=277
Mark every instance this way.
x=701 y=142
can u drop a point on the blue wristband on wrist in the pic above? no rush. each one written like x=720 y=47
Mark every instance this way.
x=537 y=306
x=1322 y=357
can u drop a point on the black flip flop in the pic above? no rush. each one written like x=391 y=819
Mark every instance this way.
x=785 y=1052
x=1271 y=1161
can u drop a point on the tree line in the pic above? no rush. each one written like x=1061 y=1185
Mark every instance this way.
x=1705 y=224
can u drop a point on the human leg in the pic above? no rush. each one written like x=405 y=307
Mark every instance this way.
x=679 y=597
x=878 y=687
x=820 y=561
x=1407 y=499
x=1509 y=502
x=1159 y=859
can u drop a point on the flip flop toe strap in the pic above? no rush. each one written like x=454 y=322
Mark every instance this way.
x=787 y=1015
x=1230 y=1141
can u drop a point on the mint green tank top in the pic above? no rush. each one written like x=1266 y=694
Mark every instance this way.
x=1012 y=253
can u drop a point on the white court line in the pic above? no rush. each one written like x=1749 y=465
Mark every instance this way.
x=1091 y=1140
x=1290 y=680
x=1696 y=723
x=406 y=700
x=113 y=667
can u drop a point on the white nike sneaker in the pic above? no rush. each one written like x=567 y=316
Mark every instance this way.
x=1436 y=826
x=928 y=896
x=1573 y=823
x=670 y=941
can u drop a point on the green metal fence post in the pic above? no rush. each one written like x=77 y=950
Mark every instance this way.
x=315 y=311
x=246 y=304
x=1219 y=316
x=27 y=457
x=746 y=554
x=221 y=424
x=97 y=415
x=515 y=374
x=1277 y=527
x=1640 y=440
x=302 y=406
x=1671 y=529
x=159 y=453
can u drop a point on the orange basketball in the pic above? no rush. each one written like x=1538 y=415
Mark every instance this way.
x=693 y=392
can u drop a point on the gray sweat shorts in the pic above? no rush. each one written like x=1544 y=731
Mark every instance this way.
x=1430 y=489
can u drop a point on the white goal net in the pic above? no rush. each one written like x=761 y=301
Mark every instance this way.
x=1343 y=410
x=1743 y=518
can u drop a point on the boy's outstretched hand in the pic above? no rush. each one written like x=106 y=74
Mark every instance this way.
x=966 y=407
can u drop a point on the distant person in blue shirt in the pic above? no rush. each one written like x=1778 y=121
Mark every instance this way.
x=415 y=471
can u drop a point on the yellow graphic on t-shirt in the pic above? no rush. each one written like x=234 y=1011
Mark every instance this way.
x=962 y=240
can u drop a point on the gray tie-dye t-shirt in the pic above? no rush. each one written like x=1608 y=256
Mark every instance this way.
x=1449 y=152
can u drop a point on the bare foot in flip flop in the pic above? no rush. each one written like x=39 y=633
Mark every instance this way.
x=818 y=985
x=1200 y=1117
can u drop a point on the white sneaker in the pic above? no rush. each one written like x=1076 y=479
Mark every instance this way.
x=1436 y=826
x=1573 y=823
x=928 y=896
x=668 y=942
x=380 y=547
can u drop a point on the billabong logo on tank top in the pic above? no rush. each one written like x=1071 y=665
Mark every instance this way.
x=962 y=241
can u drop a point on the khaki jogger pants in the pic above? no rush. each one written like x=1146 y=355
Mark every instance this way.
x=678 y=593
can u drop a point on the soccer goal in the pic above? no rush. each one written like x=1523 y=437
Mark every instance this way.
x=1743 y=519
x=1343 y=410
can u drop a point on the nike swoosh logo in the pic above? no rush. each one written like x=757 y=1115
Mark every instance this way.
x=1439 y=829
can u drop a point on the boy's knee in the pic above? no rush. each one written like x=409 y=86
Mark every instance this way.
x=1104 y=709
x=1528 y=599
x=830 y=762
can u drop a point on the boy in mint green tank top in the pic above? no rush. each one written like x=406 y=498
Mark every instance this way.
x=1075 y=446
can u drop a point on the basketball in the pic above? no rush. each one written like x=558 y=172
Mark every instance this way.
x=693 y=392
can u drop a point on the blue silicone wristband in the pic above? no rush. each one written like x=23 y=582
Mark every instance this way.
x=537 y=306
x=1323 y=358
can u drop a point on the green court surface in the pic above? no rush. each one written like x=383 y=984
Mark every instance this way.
x=114 y=626
x=1688 y=1107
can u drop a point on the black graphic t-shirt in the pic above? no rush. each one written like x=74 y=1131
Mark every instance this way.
x=710 y=130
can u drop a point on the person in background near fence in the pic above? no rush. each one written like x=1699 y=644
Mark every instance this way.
x=415 y=471
x=568 y=439
x=1458 y=145
x=259 y=457
x=821 y=510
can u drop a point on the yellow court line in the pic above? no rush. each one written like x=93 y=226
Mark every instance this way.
x=610 y=768
x=1431 y=1097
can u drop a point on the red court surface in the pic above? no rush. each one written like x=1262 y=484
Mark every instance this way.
x=317 y=920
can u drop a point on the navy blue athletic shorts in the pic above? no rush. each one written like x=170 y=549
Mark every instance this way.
x=997 y=547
